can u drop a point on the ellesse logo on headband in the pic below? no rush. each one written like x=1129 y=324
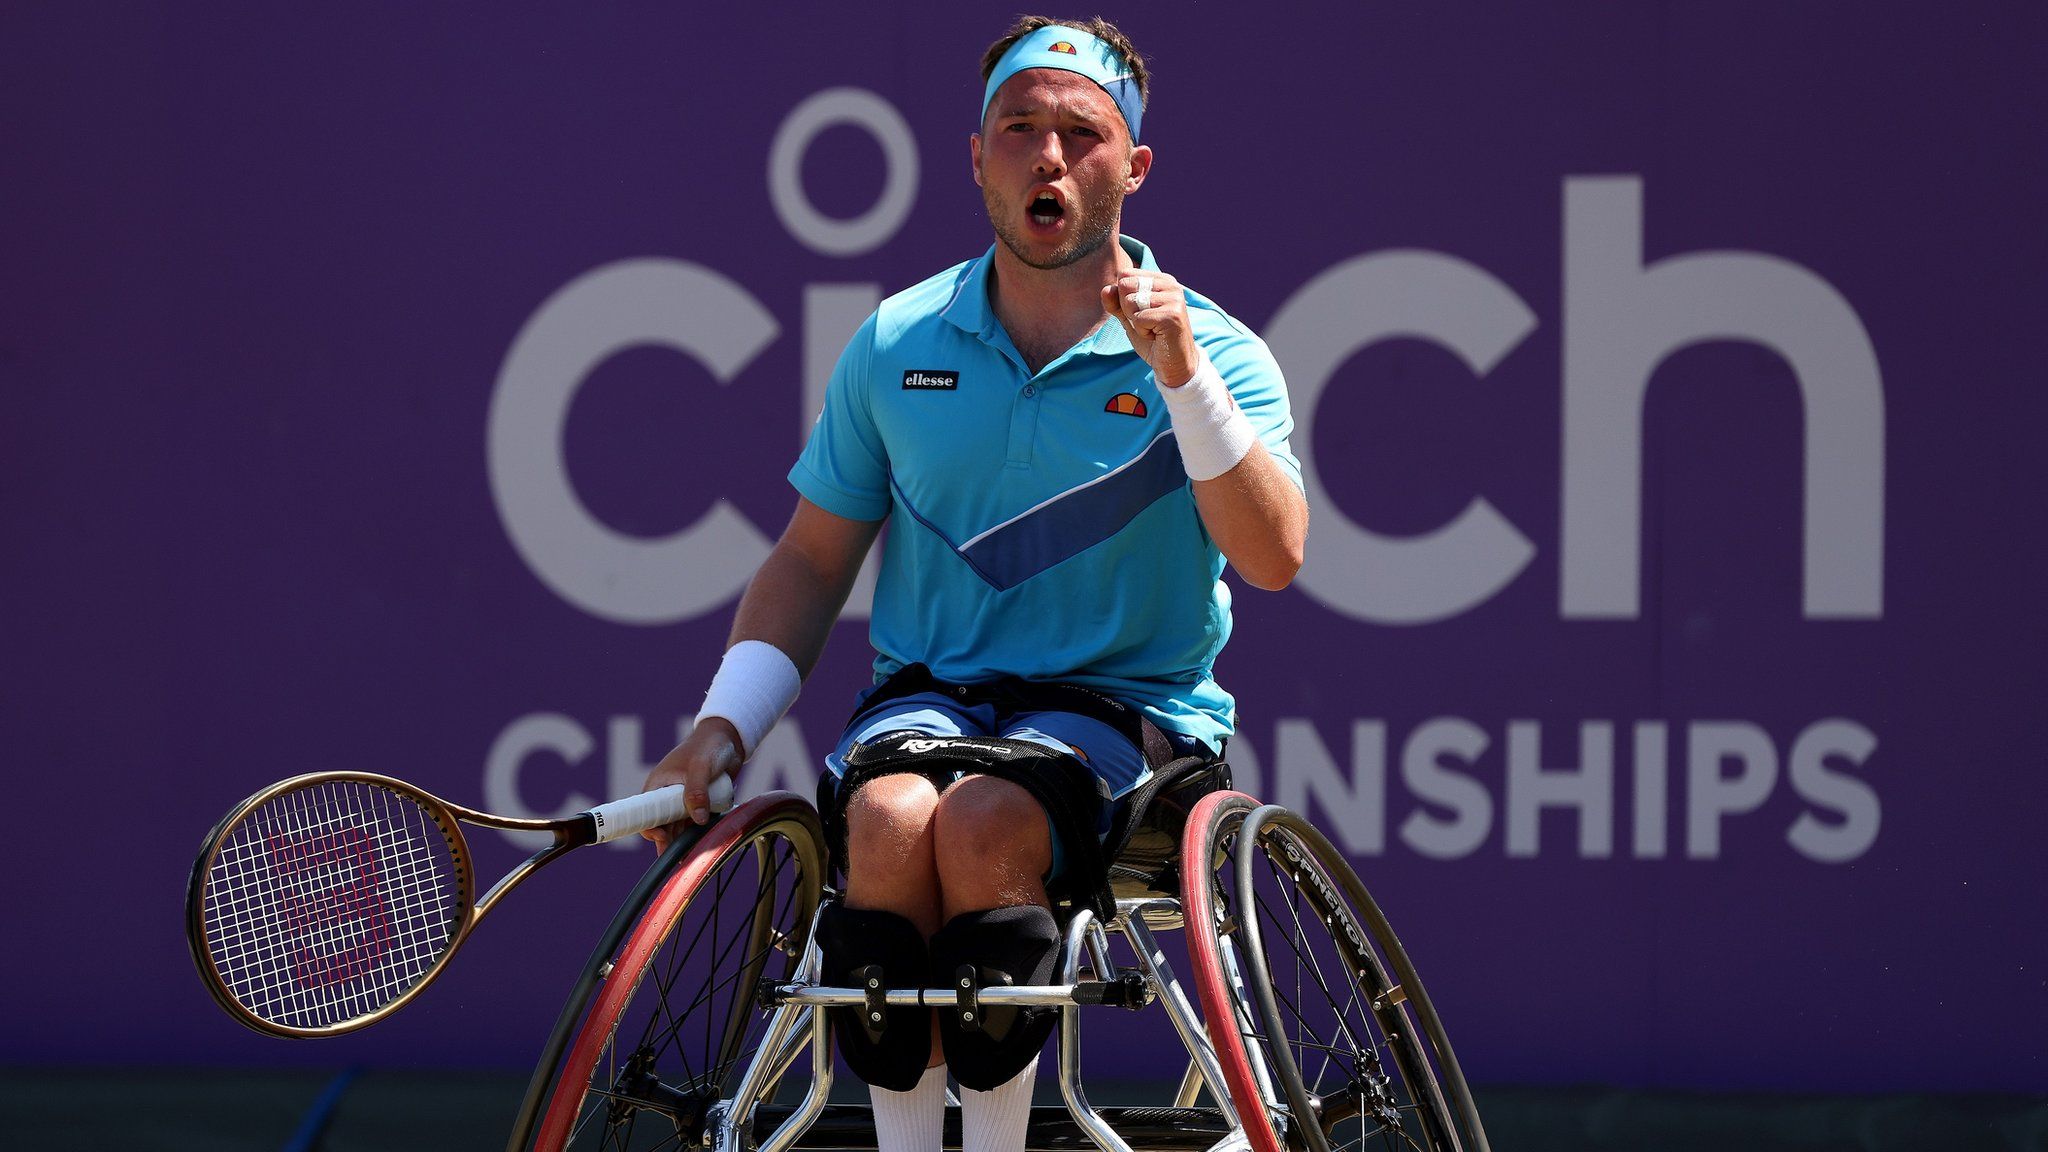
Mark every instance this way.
x=931 y=380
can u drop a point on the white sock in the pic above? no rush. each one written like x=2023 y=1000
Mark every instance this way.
x=995 y=1121
x=913 y=1121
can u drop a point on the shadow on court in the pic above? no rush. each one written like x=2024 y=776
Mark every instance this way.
x=234 y=1111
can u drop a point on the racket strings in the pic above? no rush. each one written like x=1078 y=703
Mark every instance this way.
x=326 y=903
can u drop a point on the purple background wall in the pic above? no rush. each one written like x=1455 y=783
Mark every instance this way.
x=262 y=271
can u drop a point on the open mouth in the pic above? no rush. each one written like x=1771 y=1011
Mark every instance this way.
x=1046 y=210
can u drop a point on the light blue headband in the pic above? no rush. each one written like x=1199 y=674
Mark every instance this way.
x=1071 y=50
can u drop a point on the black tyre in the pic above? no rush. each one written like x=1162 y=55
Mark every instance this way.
x=1353 y=1047
x=663 y=1022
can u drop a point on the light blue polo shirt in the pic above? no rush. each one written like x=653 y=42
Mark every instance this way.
x=1043 y=524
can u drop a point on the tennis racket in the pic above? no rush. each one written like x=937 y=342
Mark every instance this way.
x=325 y=902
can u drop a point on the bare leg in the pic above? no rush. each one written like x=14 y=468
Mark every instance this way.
x=992 y=845
x=891 y=863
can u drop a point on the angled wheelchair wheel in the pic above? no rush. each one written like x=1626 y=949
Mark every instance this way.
x=663 y=1024
x=1323 y=1029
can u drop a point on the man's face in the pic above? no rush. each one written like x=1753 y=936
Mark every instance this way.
x=1054 y=161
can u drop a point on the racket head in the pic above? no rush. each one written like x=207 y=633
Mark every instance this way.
x=323 y=903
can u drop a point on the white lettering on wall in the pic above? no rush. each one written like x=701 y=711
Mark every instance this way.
x=549 y=732
x=1424 y=770
x=1428 y=296
x=1653 y=789
x=1623 y=318
x=879 y=119
x=705 y=315
x=1355 y=801
x=1711 y=791
x=1451 y=781
x=668 y=303
x=1853 y=800
x=1587 y=789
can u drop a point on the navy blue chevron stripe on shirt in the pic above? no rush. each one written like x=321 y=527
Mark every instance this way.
x=1076 y=520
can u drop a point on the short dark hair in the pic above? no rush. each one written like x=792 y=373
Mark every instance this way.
x=1099 y=28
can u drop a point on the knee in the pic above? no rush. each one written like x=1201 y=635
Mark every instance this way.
x=890 y=818
x=982 y=824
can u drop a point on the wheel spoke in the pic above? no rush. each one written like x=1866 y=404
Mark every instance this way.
x=1295 y=944
x=665 y=1023
x=711 y=993
x=1350 y=1069
x=705 y=994
x=682 y=1023
x=1322 y=981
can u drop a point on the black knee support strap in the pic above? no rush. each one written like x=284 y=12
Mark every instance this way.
x=1066 y=788
x=1004 y=946
x=853 y=942
x=1067 y=791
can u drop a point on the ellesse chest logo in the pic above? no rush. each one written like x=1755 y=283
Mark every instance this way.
x=931 y=380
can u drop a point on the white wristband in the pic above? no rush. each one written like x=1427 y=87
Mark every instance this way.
x=755 y=685
x=1212 y=432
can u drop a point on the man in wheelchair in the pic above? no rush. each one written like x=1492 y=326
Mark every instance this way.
x=1070 y=446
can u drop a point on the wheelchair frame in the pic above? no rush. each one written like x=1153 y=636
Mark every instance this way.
x=799 y=1022
x=746 y=1119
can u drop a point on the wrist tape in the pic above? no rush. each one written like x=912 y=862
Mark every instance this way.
x=1212 y=432
x=756 y=683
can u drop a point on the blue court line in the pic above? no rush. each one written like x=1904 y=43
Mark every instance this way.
x=307 y=1138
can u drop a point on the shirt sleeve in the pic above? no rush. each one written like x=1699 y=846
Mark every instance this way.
x=844 y=468
x=1254 y=380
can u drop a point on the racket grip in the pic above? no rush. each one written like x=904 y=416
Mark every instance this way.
x=636 y=814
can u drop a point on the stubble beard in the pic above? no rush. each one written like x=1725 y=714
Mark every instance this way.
x=1094 y=224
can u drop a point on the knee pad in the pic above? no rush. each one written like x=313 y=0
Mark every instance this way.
x=1005 y=946
x=892 y=1055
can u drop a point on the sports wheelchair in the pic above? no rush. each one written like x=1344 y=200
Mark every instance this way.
x=691 y=1023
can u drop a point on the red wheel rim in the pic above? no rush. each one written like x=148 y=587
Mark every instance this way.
x=1211 y=987
x=640 y=945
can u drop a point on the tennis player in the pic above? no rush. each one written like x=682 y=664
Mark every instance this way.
x=1070 y=445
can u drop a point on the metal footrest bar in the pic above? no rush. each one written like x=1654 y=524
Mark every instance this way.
x=1052 y=1128
x=1113 y=993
